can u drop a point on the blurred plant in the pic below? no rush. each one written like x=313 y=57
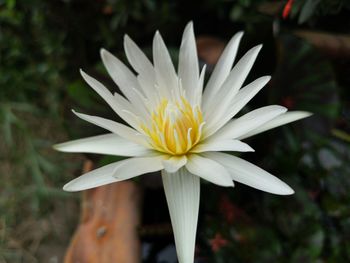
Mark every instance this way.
x=311 y=10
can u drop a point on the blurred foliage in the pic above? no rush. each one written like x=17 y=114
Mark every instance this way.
x=44 y=43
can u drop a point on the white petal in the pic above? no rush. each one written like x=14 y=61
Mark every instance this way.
x=249 y=121
x=95 y=178
x=240 y=100
x=142 y=65
x=250 y=174
x=150 y=88
x=115 y=127
x=138 y=165
x=120 y=73
x=115 y=172
x=137 y=58
x=118 y=104
x=278 y=121
x=100 y=89
x=182 y=191
x=103 y=144
x=209 y=170
x=217 y=107
x=247 y=93
x=165 y=72
x=222 y=68
x=174 y=163
x=188 y=63
x=124 y=78
x=198 y=96
x=222 y=145
x=124 y=108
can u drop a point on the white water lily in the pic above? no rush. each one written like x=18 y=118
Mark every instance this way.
x=177 y=128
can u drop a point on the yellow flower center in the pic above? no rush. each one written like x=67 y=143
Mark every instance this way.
x=175 y=127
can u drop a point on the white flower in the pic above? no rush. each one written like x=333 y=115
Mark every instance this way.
x=177 y=128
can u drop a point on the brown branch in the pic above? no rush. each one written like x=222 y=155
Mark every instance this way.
x=333 y=45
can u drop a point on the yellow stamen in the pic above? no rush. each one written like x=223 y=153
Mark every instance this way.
x=175 y=127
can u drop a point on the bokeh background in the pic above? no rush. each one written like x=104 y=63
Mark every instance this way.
x=306 y=50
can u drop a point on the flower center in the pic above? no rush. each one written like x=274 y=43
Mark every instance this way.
x=175 y=127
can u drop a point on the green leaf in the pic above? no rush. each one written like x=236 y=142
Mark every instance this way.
x=80 y=93
x=308 y=10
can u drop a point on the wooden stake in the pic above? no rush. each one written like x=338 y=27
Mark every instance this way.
x=108 y=229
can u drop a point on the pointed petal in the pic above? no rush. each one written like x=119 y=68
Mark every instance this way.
x=164 y=68
x=250 y=174
x=124 y=108
x=118 y=104
x=125 y=79
x=103 y=144
x=198 y=96
x=174 y=163
x=249 y=121
x=220 y=103
x=222 y=145
x=246 y=94
x=95 y=178
x=115 y=172
x=100 y=89
x=222 y=68
x=120 y=73
x=278 y=121
x=209 y=170
x=141 y=65
x=137 y=58
x=182 y=191
x=115 y=127
x=188 y=63
x=239 y=101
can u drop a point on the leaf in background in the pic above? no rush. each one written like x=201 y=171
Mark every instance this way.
x=5 y=117
x=343 y=135
x=308 y=10
x=80 y=93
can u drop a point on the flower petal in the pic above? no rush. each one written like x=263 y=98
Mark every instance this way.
x=138 y=165
x=125 y=79
x=222 y=145
x=250 y=174
x=221 y=102
x=142 y=65
x=245 y=94
x=182 y=191
x=240 y=100
x=128 y=112
x=249 y=121
x=188 y=63
x=95 y=178
x=278 y=121
x=165 y=73
x=198 y=95
x=174 y=163
x=100 y=89
x=137 y=58
x=103 y=144
x=209 y=170
x=115 y=172
x=118 y=103
x=115 y=127
x=222 y=68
